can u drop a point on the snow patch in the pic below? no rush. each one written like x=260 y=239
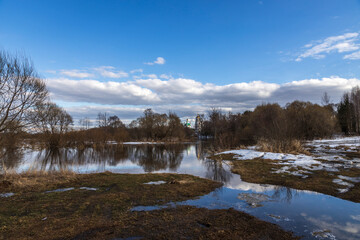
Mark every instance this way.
x=342 y=182
x=60 y=190
x=350 y=179
x=155 y=183
x=89 y=188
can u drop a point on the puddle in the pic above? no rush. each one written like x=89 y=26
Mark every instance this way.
x=303 y=212
x=60 y=190
x=7 y=194
x=71 y=188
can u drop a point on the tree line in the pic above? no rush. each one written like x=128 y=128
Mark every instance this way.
x=349 y=111
x=271 y=122
x=150 y=126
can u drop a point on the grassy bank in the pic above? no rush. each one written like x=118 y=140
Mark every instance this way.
x=263 y=171
x=34 y=213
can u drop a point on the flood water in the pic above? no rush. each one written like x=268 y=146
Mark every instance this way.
x=302 y=212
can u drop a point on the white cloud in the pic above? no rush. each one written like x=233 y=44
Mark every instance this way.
x=76 y=73
x=127 y=114
x=136 y=71
x=108 y=71
x=165 y=76
x=159 y=60
x=94 y=91
x=51 y=71
x=342 y=230
x=353 y=56
x=343 y=43
x=187 y=92
x=149 y=75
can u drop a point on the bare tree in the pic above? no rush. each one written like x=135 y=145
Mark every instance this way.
x=20 y=90
x=325 y=99
x=102 y=120
x=51 y=119
x=115 y=122
x=85 y=123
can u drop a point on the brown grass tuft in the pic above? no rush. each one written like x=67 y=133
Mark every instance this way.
x=282 y=146
x=34 y=180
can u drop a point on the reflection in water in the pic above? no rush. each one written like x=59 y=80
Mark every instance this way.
x=216 y=171
x=158 y=157
x=55 y=159
x=284 y=194
x=306 y=211
x=150 y=157
x=10 y=157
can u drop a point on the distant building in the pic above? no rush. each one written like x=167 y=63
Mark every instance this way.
x=188 y=123
x=199 y=123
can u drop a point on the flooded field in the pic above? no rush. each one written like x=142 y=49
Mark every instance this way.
x=308 y=214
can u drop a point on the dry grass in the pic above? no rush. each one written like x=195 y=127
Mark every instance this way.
x=104 y=214
x=72 y=213
x=282 y=146
x=34 y=180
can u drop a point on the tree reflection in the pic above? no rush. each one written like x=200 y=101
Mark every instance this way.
x=11 y=157
x=284 y=194
x=158 y=157
x=150 y=157
x=216 y=170
x=65 y=158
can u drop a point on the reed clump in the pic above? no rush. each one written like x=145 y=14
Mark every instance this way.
x=292 y=146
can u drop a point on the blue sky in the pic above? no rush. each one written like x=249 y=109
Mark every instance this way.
x=228 y=54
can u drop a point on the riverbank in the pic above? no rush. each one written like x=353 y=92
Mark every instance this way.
x=97 y=206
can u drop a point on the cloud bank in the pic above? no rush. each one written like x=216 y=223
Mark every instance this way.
x=187 y=97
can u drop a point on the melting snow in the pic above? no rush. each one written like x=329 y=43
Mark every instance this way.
x=60 y=190
x=292 y=159
x=89 y=188
x=328 y=155
x=350 y=179
x=155 y=183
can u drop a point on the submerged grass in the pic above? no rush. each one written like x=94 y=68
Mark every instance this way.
x=34 y=213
